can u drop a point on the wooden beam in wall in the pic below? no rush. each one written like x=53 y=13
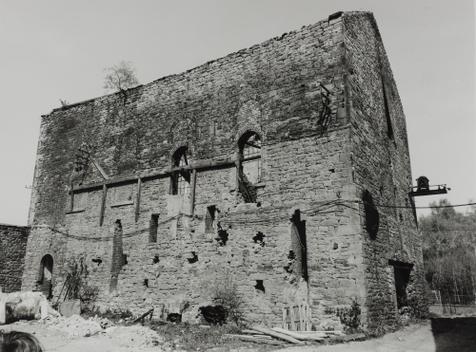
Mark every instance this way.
x=139 y=188
x=103 y=204
x=194 y=187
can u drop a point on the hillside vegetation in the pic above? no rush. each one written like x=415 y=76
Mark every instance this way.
x=449 y=252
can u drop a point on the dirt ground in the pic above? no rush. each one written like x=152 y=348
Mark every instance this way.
x=437 y=335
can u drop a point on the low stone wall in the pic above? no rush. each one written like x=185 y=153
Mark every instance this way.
x=13 y=241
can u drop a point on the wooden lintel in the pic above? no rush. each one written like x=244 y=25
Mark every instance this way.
x=199 y=165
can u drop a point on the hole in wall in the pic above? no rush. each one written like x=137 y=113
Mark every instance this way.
x=259 y=286
x=222 y=237
x=259 y=238
x=146 y=282
x=124 y=259
x=291 y=259
x=156 y=259
x=174 y=317
x=97 y=260
x=332 y=170
x=215 y=315
x=335 y=246
x=193 y=258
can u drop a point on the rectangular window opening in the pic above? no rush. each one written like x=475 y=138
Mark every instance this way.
x=387 y=111
x=153 y=228
x=210 y=219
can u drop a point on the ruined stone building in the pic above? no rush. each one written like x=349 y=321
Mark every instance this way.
x=274 y=170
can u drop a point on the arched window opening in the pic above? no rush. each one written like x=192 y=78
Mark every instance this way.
x=249 y=165
x=180 y=179
x=46 y=276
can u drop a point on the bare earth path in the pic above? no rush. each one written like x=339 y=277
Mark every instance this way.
x=439 y=335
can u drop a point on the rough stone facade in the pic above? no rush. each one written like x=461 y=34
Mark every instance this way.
x=286 y=225
x=13 y=241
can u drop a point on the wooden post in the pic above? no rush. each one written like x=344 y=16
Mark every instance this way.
x=103 y=204
x=194 y=187
x=139 y=187
x=71 y=207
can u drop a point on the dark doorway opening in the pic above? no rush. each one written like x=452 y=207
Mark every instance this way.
x=46 y=276
x=402 y=277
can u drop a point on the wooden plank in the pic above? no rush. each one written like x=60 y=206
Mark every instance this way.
x=284 y=325
x=300 y=336
x=293 y=318
x=277 y=335
x=99 y=168
x=139 y=188
x=258 y=338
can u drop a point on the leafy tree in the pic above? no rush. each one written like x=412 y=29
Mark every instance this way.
x=449 y=241
x=120 y=77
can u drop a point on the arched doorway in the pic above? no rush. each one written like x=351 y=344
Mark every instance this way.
x=46 y=276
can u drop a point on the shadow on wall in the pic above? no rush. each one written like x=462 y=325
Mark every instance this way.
x=454 y=334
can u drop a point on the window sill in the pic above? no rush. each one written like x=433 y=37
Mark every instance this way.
x=260 y=185
x=122 y=204
x=75 y=211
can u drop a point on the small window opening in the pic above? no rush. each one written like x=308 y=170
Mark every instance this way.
x=146 y=282
x=210 y=219
x=372 y=217
x=387 y=111
x=249 y=165
x=153 y=228
x=180 y=179
x=156 y=259
x=259 y=286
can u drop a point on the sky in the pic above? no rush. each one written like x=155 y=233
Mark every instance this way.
x=58 y=49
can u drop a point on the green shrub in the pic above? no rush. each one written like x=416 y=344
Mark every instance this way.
x=350 y=316
x=226 y=295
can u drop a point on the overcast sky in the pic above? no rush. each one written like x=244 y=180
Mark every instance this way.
x=53 y=50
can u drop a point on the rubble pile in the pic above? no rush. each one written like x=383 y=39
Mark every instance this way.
x=75 y=326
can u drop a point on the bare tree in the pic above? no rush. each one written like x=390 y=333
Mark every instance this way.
x=120 y=77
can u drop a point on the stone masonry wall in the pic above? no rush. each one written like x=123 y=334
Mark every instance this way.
x=295 y=92
x=13 y=241
x=381 y=165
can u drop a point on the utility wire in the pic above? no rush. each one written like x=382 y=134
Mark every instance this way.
x=321 y=208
